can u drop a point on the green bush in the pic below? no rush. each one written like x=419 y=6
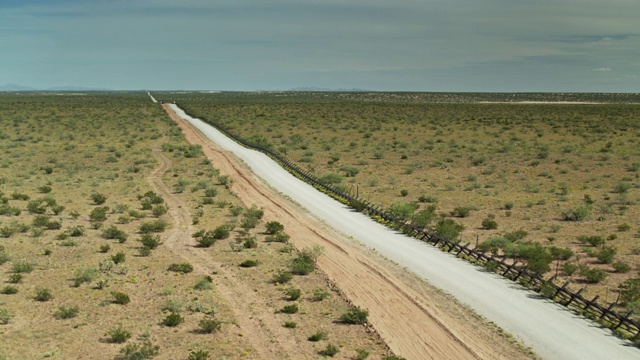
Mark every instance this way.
x=118 y=258
x=293 y=294
x=144 y=350
x=99 y=214
x=290 y=324
x=9 y=290
x=206 y=239
x=43 y=295
x=621 y=267
x=156 y=226
x=172 y=320
x=331 y=350
x=159 y=210
x=105 y=248
x=120 y=298
x=150 y=241
x=462 y=211
x=22 y=266
x=209 y=325
x=198 y=355
x=113 y=232
x=221 y=232
x=5 y=316
x=84 y=275
x=319 y=295
x=578 y=214
x=118 y=335
x=489 y=224
x=204 y=284
x=98 y=199
x=274 y=227
x=355 y=315
x=67 y=312
x=289 y=309
x=183 y=268
x=569 y=268
x=320 y=335
x=282 y=277
x=15 y=278
x=593 y=275
x=448 y=229
x=605 y=254
x=248 y=263
x=278 y=237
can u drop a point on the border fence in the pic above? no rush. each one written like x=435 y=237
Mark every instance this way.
x=591 y=309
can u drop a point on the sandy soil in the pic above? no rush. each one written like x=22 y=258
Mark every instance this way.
x=414 y=319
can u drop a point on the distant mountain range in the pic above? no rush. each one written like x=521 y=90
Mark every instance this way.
x=14 y=87
x=325 y=89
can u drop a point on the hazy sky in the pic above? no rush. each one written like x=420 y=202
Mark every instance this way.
x=412 y=45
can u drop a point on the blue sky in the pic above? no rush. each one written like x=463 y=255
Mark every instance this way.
x=398 y=45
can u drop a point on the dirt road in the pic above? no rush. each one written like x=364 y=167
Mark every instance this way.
x=417 y=322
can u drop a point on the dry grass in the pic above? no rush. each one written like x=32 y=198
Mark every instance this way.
x=82 y=145
x=524 y=165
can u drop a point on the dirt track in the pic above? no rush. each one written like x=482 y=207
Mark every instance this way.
x=417 y=321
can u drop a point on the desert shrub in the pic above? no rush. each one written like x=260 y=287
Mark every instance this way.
x=593 y=275
x=427 y=199
x=209 y=325
x=22 y=266
x=84 y=275
x=210 y=192
x=462 y=211
x=622 y=187
x=569 y=268
x=578 y=214
x=319 y=335
x=76 y=231
x=159 y=210
x=282 y=277
x=118 y=335
x=404 y=192
x=198 y=355
x=221 y=232
x=516 y=235
x=15 y=278
x=319 y=295
x=290 y=324
x=144 y=251
x=150 y=241
x=489 y=224
x=302 y=266
x=99 y=213
x=278 y=237
x=112 y=232
x=4 y=256
x=183 y=268
x=605 y=254
x=361 y=354
x=561 y=253
x=172 y=320
x=403 y=210
x=493 y=245
x=204 y=284
x=120 y=298
x=9 y=290
x=355 y=315
x=293 y=294
x=118 y=258
x=248 y=263
x=289 y=309
x=5 y=316
x=98 y=199
x=67 y=312
x=43 y=294
x=621 y=267
x=156 y=226
x=594 y=241
x=105 y=248
x=274 y=227
x=250 y=242
x=206 y=239
x=630 y=291
x=624 y=227
x=36 y=207
x=137 y=214
x=448 y=229
x=330 y=351
x=139 y=351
